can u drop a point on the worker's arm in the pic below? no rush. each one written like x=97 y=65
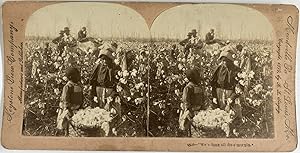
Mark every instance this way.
x=187 y=97
x=65 y=97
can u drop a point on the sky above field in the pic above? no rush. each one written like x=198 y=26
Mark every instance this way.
x=114 y=20
x=229 y=21
x=101 y=19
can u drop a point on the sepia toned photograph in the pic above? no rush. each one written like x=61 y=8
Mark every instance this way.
x=106 y=59
x=200 y=71
x=149 y=76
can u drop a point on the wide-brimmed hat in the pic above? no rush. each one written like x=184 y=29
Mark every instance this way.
x=61 y=32
x=106 y=52
x=228 y=54
x=193 y=31
x=66 y=29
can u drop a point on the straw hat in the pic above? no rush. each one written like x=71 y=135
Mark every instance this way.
x=194 y=31
x=106 y=52
x=228 y=54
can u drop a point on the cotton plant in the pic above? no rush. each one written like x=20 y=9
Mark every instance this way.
x=166 y=82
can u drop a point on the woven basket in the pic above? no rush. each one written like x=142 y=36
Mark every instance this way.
x=83 y=131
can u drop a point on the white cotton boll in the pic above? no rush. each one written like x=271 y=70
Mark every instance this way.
x=161 y=105
x=236 y=63
x=58 y=81
x=186 y=79
x=229 y=100
x=177 y=92
x=180 y=66
x=215 y=52
x=215 y=100
x=139 y=85
x=33 y=102
x=134 y=70
x=65 y=78
x=119 y=88
x=254 y=102
x=95 y=99
x=113 y=111
x=120 y=73
x=109 y=99
x=132 y=93
x=97 y=61
x=258 y=88
x=56 y=65
x=239 y=75
x=242 y=82
x=56 y=91
x=43 y=105
x=123 y=81
x=114 y=131
x=59 y=58
x=125 y=73
x=231 y=112
x=116 y=61
x=233 y=56
x=134 y=73
x=258 y=122
x=251 y=74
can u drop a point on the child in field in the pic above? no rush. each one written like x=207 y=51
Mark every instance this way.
x=226 y=89
x=223 y=81
x=193 y=101
x=71 y=100
x=104 y=82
